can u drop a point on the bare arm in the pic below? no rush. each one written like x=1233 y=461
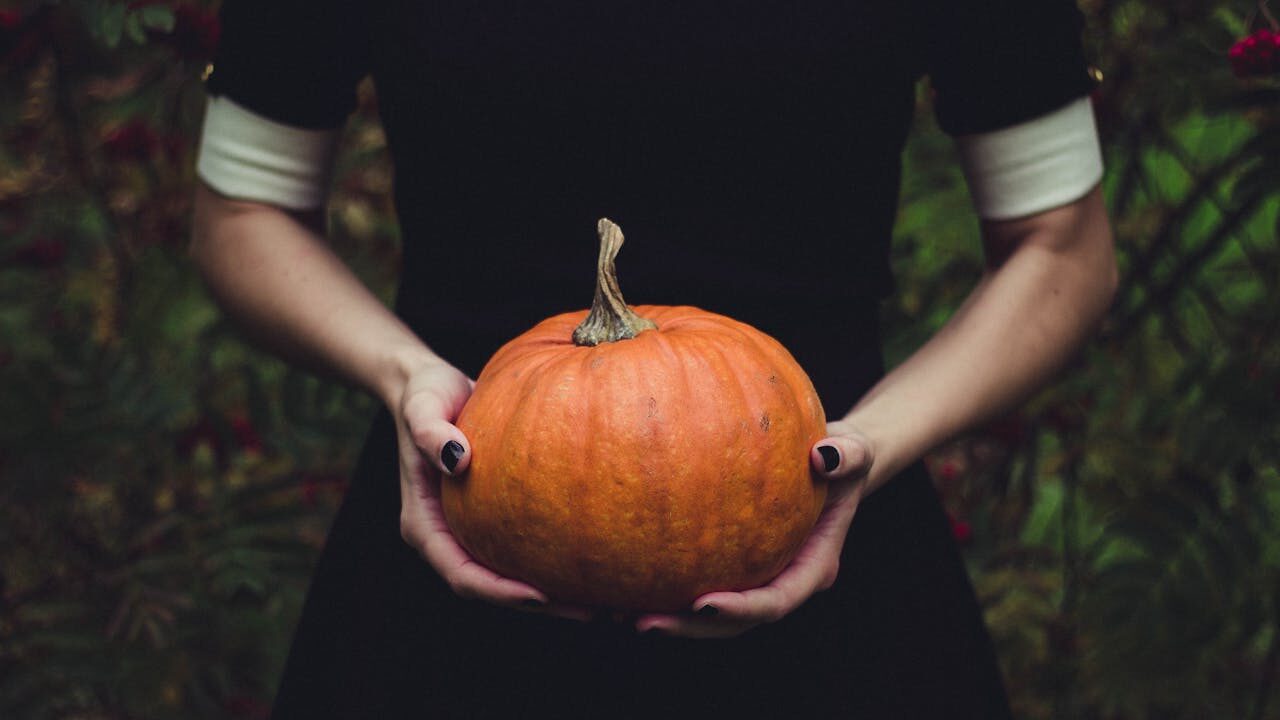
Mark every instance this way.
x=283 y=284
x=1050 y=278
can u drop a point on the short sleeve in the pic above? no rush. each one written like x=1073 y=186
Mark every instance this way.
x=296 y=62
x=998 y=63
x=1035 y=165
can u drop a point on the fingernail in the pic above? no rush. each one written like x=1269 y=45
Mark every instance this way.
x=830 y=457
x=532 y=603
x=708 y=611
x=451 y=454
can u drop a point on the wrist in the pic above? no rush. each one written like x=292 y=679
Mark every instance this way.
x=397 y=367
x=890 y=450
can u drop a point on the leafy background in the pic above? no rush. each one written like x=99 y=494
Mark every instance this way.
x=165 y=489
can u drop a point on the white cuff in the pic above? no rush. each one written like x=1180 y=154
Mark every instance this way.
x=246 y=156
x=1033 y=166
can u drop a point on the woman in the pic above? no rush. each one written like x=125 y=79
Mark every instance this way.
x=751 y=151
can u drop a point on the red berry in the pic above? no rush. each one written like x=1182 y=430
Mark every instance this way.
x=135 y=140
x=1257 y=54
x=961 y=530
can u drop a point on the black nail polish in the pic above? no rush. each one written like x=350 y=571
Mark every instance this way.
x=451 y=454
x=708 y=611
x=532 y=603
x=830 y=457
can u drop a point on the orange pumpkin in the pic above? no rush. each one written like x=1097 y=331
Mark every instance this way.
x=636 y=460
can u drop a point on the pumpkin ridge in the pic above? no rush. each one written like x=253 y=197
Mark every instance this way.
x=748 y=400
x=573 y=495
x=664 y=516
x=527 y=358
x=730 y=383
x=519 y=422
x=666 y=346
x=547 y=335
x=777 y=362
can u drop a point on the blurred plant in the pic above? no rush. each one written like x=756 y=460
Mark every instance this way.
x=163 y=489
x=1122 y=523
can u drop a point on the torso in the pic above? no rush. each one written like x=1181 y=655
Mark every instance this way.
x=750 y=154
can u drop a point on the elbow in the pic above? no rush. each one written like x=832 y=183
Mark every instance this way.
x=1085 y=239
x=216 y=223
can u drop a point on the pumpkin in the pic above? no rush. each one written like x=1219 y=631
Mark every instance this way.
x=638 y=458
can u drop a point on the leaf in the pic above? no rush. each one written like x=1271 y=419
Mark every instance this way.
x=133 y=28
x=1234 y=24
x=111 y=24
x=157 y=17
x=1044 y=526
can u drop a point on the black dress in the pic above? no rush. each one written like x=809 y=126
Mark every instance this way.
x=751 y=153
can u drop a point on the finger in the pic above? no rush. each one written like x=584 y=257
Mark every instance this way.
x=726 y=614
x=759 y=606
x=423 y=526
x=691 y=626
x=469 y=579
x=813 y=570
x=473 y=580
x=841 y=457
x=440 y=441
x=568 y=612
x=729 y=614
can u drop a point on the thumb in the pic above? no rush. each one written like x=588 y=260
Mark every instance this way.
x=443 y=444
x=845 y=457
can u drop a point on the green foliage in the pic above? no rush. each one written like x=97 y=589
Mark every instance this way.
x=1123 y=537
x=109 y=22
x=164 y=488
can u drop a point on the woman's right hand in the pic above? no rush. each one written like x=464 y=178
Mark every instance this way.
x=285 y=285
x=431 y=446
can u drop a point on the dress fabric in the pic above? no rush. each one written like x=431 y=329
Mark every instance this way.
x=751 y=154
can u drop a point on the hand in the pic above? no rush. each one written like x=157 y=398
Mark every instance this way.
x=844 y=457
x=430 y=446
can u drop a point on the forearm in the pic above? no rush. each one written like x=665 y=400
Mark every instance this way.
x=291 y=293
x=1049 y=282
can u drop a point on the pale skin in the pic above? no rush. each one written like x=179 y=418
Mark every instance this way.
x=1048 y=282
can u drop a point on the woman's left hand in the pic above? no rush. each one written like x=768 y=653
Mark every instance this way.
x=844 y=457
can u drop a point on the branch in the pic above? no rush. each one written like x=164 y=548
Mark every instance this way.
x=1190 y=264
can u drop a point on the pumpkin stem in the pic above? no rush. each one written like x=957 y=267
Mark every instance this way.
x=610 y=320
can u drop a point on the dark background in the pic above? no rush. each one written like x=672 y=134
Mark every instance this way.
x=164 y=488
